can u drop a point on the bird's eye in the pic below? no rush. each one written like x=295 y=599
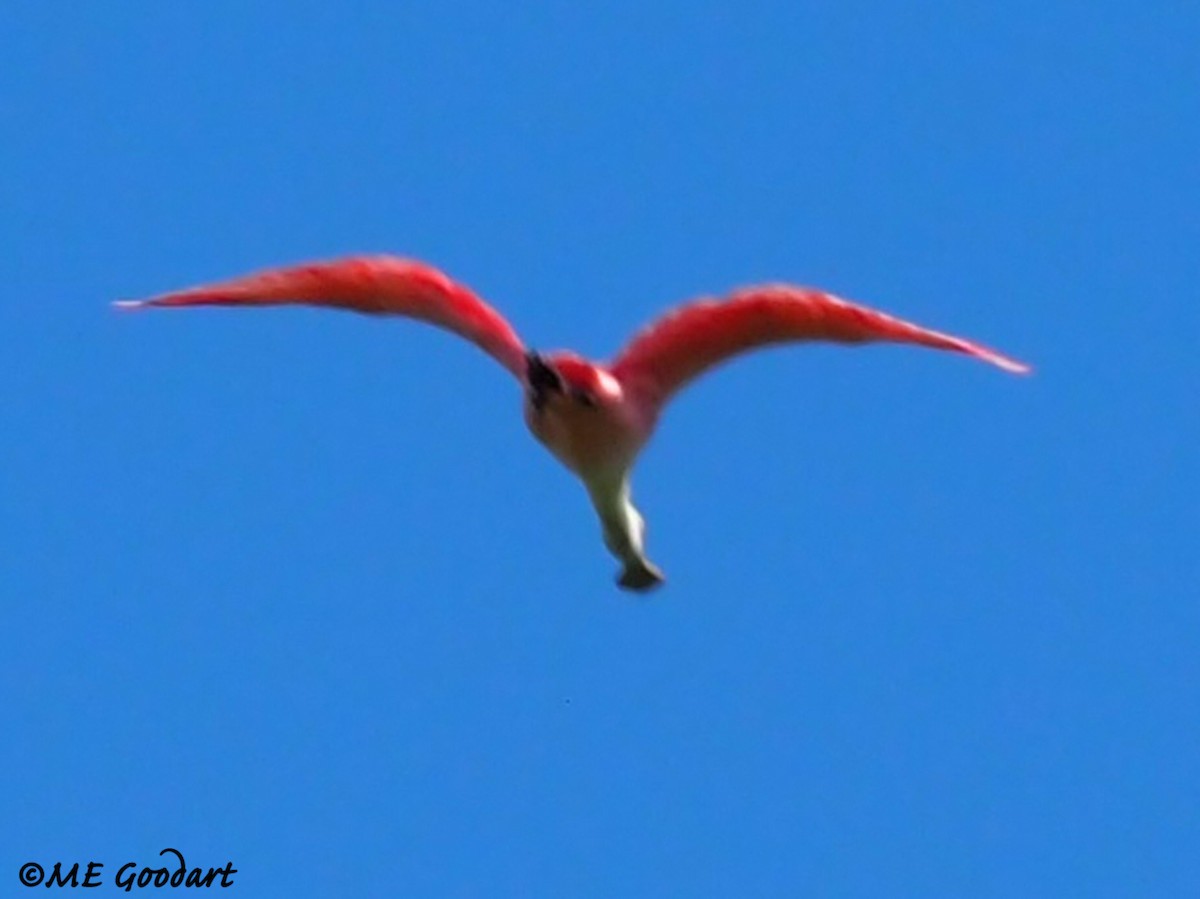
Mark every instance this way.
x=584 y=398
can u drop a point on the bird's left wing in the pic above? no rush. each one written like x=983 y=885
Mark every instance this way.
x=694 y=338
x=383 y=285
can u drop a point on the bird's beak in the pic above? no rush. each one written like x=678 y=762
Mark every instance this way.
x=541 y=377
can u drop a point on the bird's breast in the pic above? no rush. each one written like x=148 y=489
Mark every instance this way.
x=585 y=440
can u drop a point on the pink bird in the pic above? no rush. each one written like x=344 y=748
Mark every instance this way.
x=595 y=418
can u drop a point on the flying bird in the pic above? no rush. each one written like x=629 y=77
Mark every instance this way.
x=593 y=417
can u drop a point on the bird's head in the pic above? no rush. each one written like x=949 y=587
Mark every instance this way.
x=565 y=381
x=578 y=411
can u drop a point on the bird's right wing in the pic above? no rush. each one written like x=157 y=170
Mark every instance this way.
x=383 y=285
x=694 y=338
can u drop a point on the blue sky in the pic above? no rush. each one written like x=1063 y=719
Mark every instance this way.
x=295 y=589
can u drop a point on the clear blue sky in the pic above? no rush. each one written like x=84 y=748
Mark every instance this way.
x=296 y=589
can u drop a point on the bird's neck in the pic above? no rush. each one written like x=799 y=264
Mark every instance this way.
x=622 y=524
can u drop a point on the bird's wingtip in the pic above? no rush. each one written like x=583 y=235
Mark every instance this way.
x=128 y=305
x=987 y=354
x=1012 y=365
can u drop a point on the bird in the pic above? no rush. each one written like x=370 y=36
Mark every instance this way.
x=594 y=417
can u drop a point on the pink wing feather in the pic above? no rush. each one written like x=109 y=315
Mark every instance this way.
x=694 y=338
x=382 y=285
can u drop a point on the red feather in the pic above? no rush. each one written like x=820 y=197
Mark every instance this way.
x=694 y=338
x=381 y=285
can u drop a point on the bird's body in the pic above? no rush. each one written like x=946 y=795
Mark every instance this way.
x=594 y=418
x=597 y=438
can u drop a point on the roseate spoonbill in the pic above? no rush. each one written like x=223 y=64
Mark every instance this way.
x=594 y=417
